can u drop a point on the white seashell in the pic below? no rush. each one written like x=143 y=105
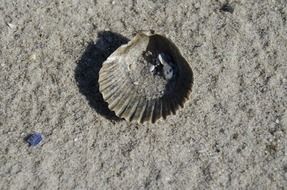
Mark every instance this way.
x=146 y=79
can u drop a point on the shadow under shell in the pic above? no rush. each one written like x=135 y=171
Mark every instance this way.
x=89 y=65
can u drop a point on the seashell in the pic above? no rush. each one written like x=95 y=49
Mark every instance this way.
x=146 y=79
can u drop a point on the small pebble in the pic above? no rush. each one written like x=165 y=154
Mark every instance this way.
x=33 y=57
x=197 y=5
x=34 y=139
x=227 y=8
x=12 y=26
x=152 y=68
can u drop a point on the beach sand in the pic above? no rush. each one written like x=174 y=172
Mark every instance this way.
x=231 y=134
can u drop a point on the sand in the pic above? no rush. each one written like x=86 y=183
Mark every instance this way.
x=230 y=135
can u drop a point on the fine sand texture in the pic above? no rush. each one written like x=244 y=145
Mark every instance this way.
x=231 y=134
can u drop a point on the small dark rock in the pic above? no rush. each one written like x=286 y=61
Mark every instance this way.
x=34 y=139
x=227 y=8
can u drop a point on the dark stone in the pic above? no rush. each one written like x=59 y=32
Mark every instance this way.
x=34 y=139
x=227 y=8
